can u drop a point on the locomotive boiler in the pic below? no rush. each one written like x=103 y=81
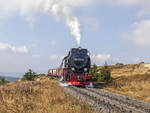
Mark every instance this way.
x=75 y=67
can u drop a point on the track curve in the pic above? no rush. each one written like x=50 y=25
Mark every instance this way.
x=104 y=101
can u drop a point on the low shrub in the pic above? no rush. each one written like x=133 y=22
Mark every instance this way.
x=94 y=73
x=101 y=74
x=2 y=80
x=30 y=75
x=119 y=64
x=105 y=75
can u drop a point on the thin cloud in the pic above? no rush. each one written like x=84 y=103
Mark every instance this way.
x=36 y=56
x=10 y=48
x=56 y=57
x=53 y=57
x=91 y=23
x=139 y=33
x=100 y=59
x=53 y=43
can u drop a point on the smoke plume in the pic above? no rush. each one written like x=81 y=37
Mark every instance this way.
x=74 y=26
x=62 y=9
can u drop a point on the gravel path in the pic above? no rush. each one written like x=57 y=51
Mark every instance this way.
x=104 y=101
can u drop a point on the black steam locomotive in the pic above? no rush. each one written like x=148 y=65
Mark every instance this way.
x=77 y=61
x=74 y=68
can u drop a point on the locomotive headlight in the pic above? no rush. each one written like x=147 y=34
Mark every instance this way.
x=85 y=69
x=73 y=69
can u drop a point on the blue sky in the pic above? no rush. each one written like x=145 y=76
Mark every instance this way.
x=32 y=36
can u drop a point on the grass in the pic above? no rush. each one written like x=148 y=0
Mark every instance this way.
x=135 y=86
x=40 y=96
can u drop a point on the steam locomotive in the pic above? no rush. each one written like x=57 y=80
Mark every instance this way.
x=74 y=68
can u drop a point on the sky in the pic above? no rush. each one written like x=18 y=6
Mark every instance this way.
x=36 y=34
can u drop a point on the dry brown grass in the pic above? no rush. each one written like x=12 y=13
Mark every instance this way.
x=40 y=96
x=135 y=86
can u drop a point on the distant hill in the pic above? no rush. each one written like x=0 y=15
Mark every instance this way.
x=10 y=79
x=16 y=75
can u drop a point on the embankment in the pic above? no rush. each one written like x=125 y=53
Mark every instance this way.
x=40 y=96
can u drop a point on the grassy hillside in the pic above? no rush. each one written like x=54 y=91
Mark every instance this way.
x=129 y=70
x=135 y=86
x=40 y=96
x=131 y=80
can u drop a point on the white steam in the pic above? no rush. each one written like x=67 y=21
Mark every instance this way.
x=62 y=9
x=74 y=26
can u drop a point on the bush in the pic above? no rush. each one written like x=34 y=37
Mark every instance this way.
x=94 y=73
x=29 y=75
x=101 y=74
x=2 y=80
x=119 y=64
x=105 y=75
x=142 y=63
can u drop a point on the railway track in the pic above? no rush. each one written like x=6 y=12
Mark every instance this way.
x=103 y=101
